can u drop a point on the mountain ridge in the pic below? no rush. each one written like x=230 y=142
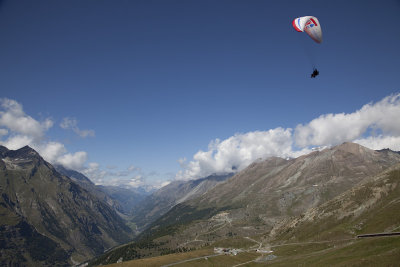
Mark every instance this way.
x=161 y=201
x=37 y=201
x=257 y=199
x=369 y=207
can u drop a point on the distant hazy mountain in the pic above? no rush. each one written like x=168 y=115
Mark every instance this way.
x=122 y=199
x=50 y=219
x=158 y=203
x=127 y=197
x=266 y=196
x=85 y=182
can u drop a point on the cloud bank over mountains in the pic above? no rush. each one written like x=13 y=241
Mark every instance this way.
x=379 y=121
x=238 y=151
x=375 y=125
x=18 y=129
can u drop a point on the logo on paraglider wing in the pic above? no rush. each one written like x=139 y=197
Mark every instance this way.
x=311 y=23
x=315 y=23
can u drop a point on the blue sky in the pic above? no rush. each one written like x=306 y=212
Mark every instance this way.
x=125 y=90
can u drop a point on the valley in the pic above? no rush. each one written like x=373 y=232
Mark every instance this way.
x=315 y=204
x=199 y=133
x=382 y=251
x=278 y=211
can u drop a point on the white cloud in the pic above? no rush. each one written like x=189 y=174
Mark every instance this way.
x=112 y=176
x=96 y=175
x=375 y=126
x=334 y=129
x=14 y=118
x=51 y=151
x=19 y=129
x=237 y=152
x=380 y=142
x=18 y=141
x=136 y=181
x=158 y=184
x=72 y=124
x=73 y=161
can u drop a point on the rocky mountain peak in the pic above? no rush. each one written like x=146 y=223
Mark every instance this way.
x=23 y=158
x=40 y=205
x=271 y=192
x=3 y=150
x=25 y=152
x=353 y=148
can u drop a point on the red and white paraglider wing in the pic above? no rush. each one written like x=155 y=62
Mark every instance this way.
x=296 y=25
x=313 y=29
x=310 y=25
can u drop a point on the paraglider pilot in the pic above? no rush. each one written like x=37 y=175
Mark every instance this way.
x=315 y=73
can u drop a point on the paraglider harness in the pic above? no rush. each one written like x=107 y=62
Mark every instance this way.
x=315 y=73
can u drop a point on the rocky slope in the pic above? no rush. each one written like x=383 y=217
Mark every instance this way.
x=85 y=183
x=47 y=218
x=120 y=198
x=127 y=198
x=267 y=195
x=370 y=207
x=161 y=201
x=268 y=191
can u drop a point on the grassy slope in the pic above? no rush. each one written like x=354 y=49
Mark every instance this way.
x=381 y=251
x=370 y=208
x=221 y=260
x=167 y=259
x=340 y=219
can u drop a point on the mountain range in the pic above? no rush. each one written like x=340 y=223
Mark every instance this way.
x=160 y=202
x=54 y=216
x=274 y=197
x=48 y=218
x=120 y=198
x=268 y=191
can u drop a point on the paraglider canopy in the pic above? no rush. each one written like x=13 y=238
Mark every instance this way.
x=310 y=25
